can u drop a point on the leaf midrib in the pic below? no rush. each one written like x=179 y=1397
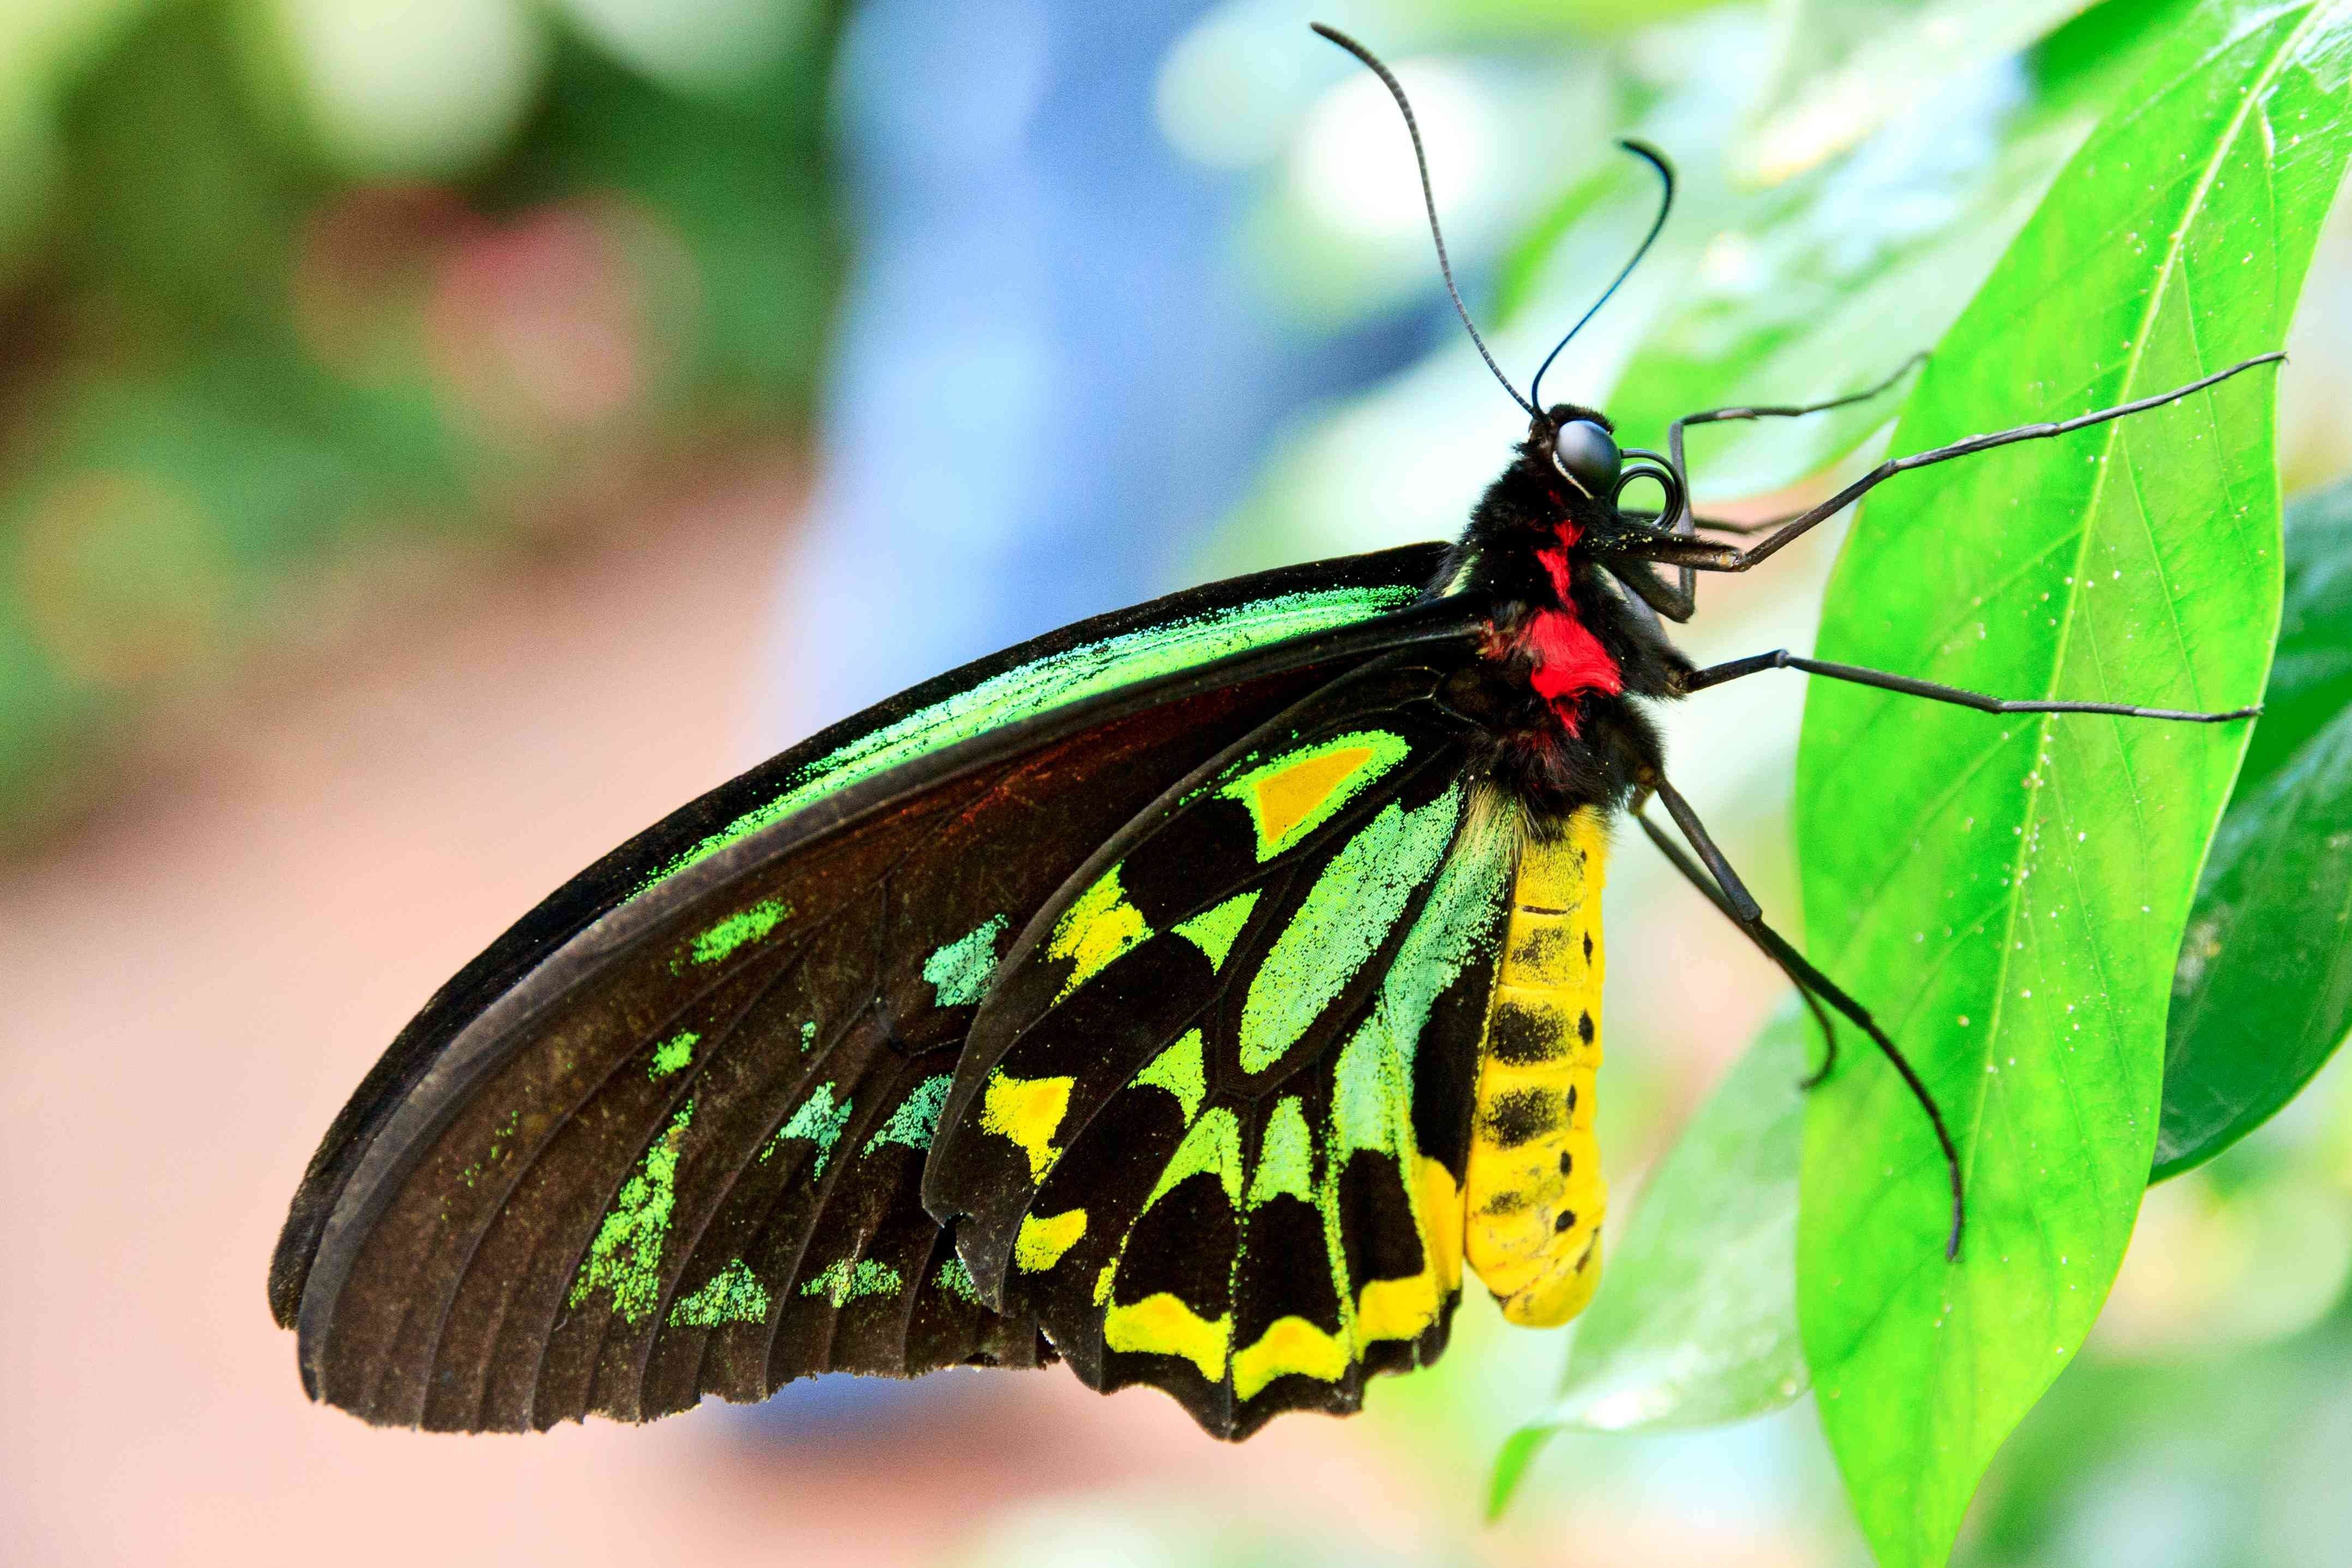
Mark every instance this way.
x=2176 y=250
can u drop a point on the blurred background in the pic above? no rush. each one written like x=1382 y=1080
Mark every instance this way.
x=437 y=437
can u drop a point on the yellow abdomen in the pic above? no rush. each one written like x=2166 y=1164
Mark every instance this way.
x=1533 y=1190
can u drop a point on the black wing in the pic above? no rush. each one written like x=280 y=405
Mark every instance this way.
x=665 y=1137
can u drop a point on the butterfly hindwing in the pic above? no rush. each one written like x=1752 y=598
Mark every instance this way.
x=682 y=1153
x=1211 y=1125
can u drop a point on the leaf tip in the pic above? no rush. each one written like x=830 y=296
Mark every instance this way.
x=1519 y=1451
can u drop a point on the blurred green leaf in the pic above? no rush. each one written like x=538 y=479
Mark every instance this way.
x=176 y=203
x=736 y=179
x=2009 y=893
x=2311 y=673
x=1695 y=1323
x=232 y=366
x=1847 y=66
x=2263 y=993
x=1823 y=285
x=2261 y=997
x=1532 y=256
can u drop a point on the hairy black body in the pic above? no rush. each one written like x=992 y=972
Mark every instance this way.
x=1569 y=653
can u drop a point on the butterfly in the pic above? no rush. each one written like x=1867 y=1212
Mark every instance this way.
x=1194 y=994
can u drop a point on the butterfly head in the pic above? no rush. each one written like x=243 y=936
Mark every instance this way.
x=1583 y=450
x=1571 y=459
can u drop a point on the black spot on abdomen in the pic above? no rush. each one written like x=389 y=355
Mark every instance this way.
x=1518 y=1116
x=1523 y=1036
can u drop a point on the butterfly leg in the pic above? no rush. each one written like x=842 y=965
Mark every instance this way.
x=1680 y=601
x=1740 y=904
x=1781 y=659
x=1687 y=554
x=1699 y=879
x=1783 y=411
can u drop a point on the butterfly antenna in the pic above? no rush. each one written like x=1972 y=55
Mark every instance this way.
x=1429 y=199
x=1656 y=160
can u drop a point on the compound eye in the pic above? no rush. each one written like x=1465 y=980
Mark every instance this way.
x=1588 y=456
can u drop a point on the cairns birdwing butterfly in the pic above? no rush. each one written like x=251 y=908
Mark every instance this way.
x=1192 y=995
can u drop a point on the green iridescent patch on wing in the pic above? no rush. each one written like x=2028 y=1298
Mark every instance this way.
x=1052 y=682
x=1372 y=1086
x=842 y=1281
x=734 y=1296
x=627 y=1254
x=674 y=1055
x=1345 y=919
x=1211 y=1146
x=1241 y=1136
x=952 y=1278
x=738 y=931
x=1215 y=932
x=960 y=971
x=819 y=1120
x=1299 y=791
x=917 y=1120
x=498 y=1143
x=1181 y=1070
x=1303 y=1157
x=1372 y=1104
x=1286 y=1158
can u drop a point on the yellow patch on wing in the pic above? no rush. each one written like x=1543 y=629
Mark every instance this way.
x=1029 y=1111
x=1441 y=1218
x=1161 y=1324
x=1290 y=1346
x=1291 y=796
x=1284 y=799
x=1099 y=926
x=1402 y=1308
x=1044 y=1239
x=1398 y=1309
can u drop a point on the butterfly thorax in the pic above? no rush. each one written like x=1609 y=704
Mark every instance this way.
x=1565 y=654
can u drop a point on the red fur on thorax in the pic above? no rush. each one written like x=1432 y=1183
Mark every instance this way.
x=1568 y=659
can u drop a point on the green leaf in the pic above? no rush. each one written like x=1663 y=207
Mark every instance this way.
x=1695 y=1323
x=1519 y=1451
x=2260 y=999
x=2263 y=993
x=1531 y=257
x=2008 y=892
x=2311 y=674
x=1819 y=286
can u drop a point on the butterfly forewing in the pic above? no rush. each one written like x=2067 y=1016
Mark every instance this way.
x=1211 y=1124
x=683 y=1156
x=1065 y=675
